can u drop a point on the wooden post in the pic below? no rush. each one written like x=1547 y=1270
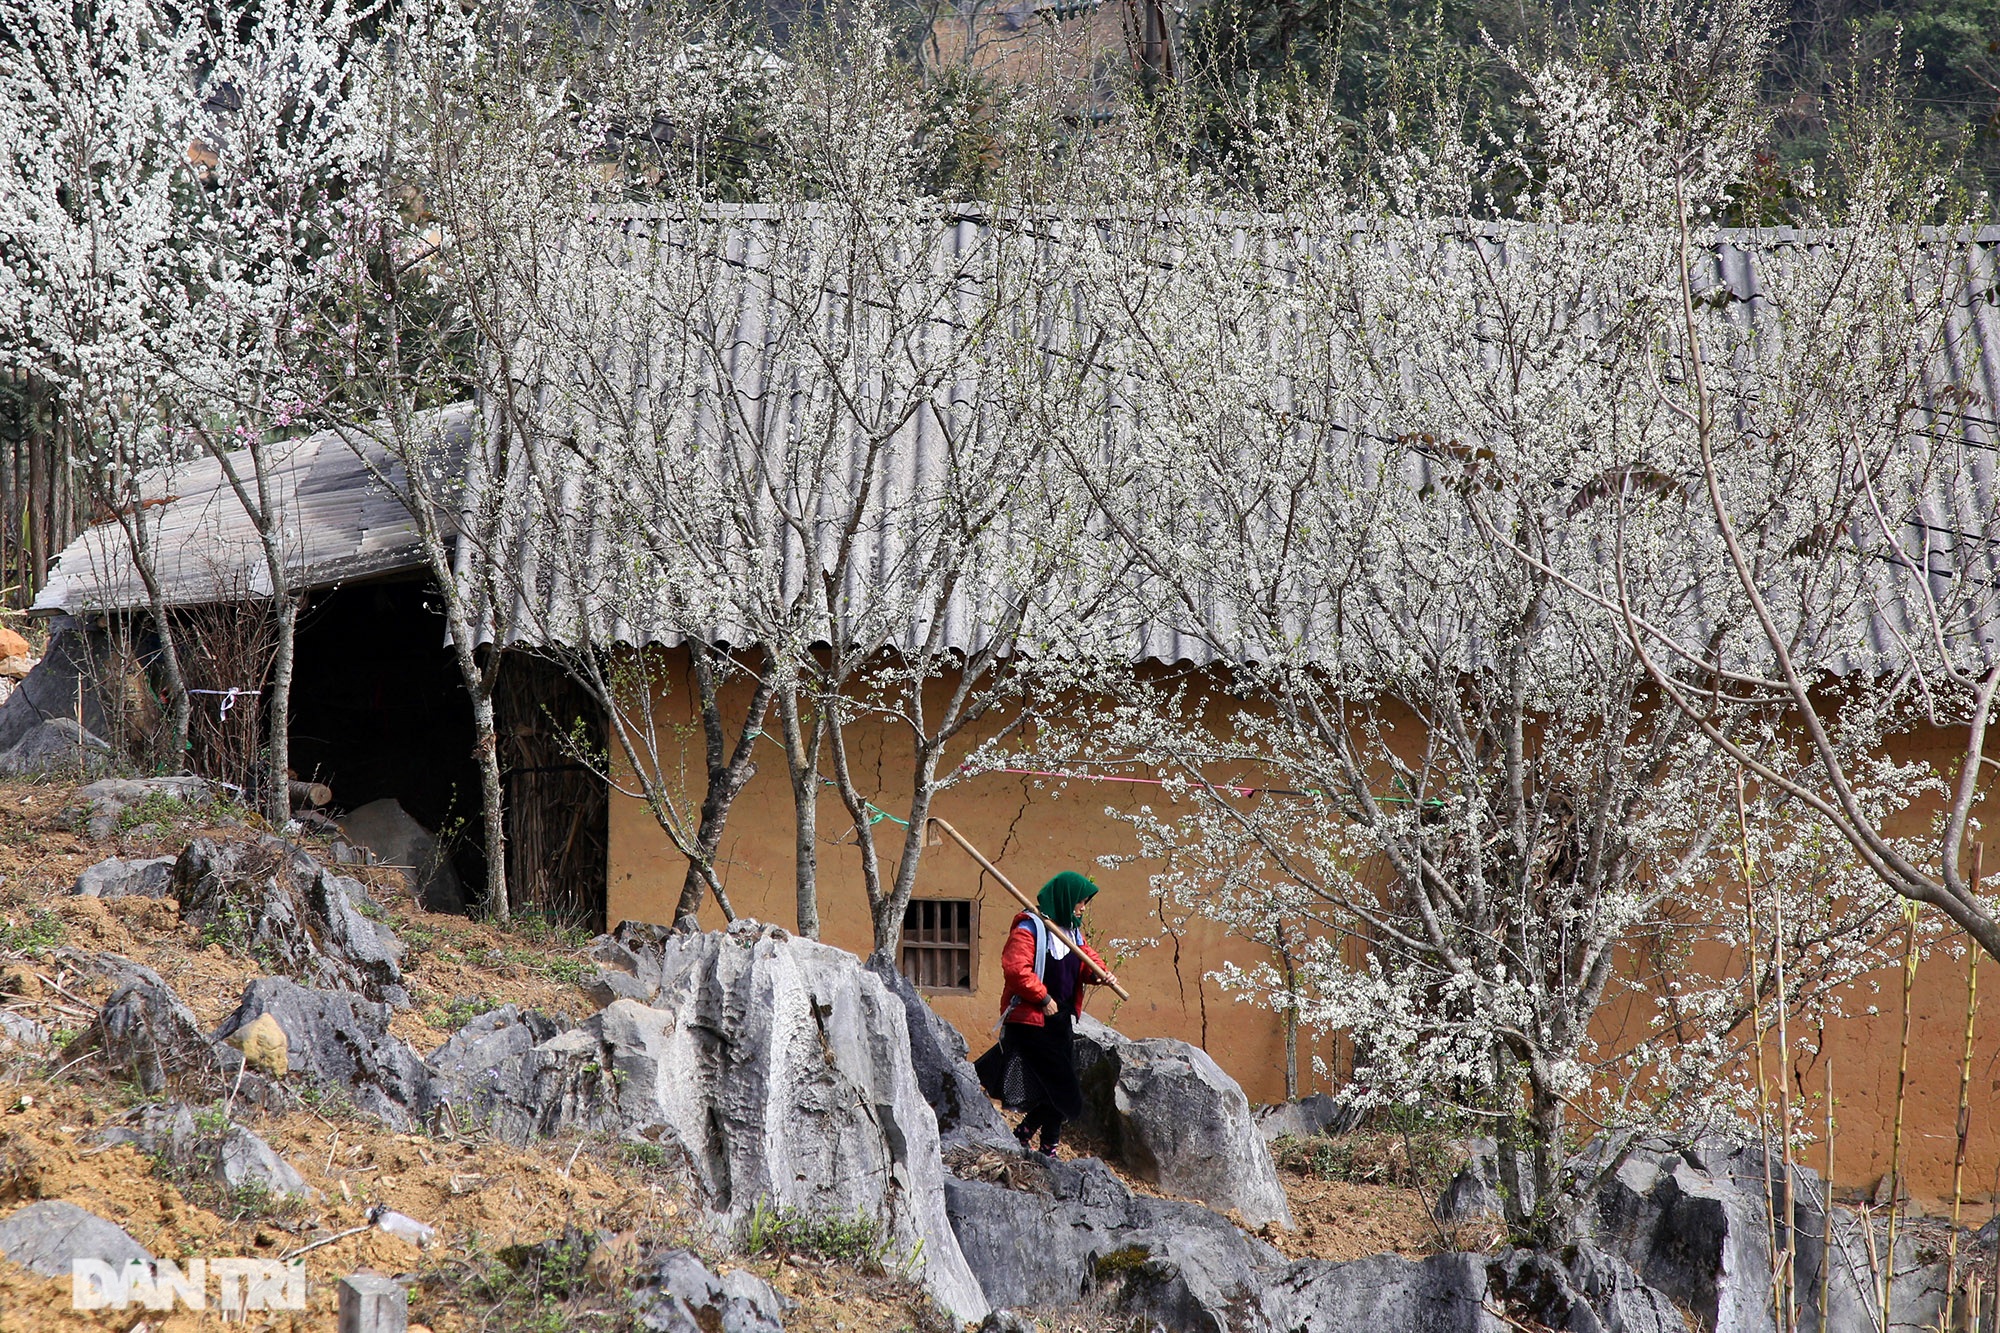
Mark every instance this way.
x=371 y=1303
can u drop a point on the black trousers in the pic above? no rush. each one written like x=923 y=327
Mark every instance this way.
x=1047 y=1089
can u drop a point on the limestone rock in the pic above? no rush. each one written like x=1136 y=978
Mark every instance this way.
x=268 y=898
x=341 y=1041
x=123 y=877
x=946 y=1077
x=106 y=801
x=48 y=1237
x=56 y=745
x=1691 y=1221
x=17 y=1030
x=781 y=1068
x=1305 y=1118
x=59 y=685
x=245 y=1161
x=614 y=985
x=1069 y=1228
x=492 y=1072
x=1445 y=1293
x=1176 y=1119
x=1006 y=1321
x=146 y=1033
x=678 y=1294
x=386 y=830
x=235 y=1158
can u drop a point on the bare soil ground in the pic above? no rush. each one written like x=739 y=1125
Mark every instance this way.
x=483 y=1196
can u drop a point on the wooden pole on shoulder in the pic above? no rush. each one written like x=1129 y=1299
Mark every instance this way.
x=1027 y=902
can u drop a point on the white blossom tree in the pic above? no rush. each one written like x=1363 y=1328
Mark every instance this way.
x=1350 y=413
x=179 y=175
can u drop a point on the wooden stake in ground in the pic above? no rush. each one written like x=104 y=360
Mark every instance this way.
x=1902 y=1087
x=1826 y=1195
x=1964 y=1102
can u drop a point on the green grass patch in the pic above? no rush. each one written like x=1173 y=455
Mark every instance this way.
x=34 y=933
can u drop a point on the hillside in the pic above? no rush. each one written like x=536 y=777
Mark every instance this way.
x=591 y=1202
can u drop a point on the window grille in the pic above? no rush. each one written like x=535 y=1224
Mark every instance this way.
x=941 y=944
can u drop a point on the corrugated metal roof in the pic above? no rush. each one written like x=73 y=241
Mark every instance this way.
x=348 y=527
x=745 y=307
x=339 y=524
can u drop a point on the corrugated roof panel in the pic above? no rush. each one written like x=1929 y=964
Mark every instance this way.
x=339 y=523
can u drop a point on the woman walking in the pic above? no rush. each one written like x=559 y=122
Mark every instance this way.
x=1039 y=1004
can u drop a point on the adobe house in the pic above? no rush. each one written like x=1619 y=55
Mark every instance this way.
x=368 y=646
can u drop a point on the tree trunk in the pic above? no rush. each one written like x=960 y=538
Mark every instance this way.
x=1292 y=1052
x=277 y=792
x=486 y=745
x=802 y=760
x=37 y=513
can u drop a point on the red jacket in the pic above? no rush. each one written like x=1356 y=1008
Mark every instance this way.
x=1023 y=996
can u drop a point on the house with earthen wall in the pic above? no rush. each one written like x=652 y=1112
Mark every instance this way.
x=585 y=849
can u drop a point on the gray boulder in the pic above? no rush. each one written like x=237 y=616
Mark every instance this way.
x=123 y=877
x=49 y=1237
x=244 y=1161
x=105 y=802
x=780 y=1068
x=1305 y=1118
x=1006 y=1321
x=52 y=747
x=20 y=1030
x=490 y=1072
x=1693 y=1223
x=1063 y=1229
x=341 y=1041
x=235 y=1158
x=1174 y=1118
x=678 y=1294
x=1445 y=1293
x=145 y=1033
x=267 y=898
x=59 y=685
x=607 y=986
x=1476 y=1190
x=965 y=1115
x=386 y=831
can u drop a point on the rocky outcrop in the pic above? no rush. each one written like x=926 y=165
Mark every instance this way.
x=1305 y=1118
x=1692 y=1222
x=386 y=831
x=60 y=686
x=123 y=877
x=57 y=746
x=1445 y=1293
x=105 y=803
x=341 y=1042
x=945 y=1076
x=267 y=898
x=676 y=1293
x=49 y=1237
x=780 y=1069
x=234 y=1158
x=491 y=1072
x=1174 y=1118
x=1057 y=1230
x=144 y=1032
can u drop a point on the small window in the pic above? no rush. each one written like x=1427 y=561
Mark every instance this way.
x=941 y=944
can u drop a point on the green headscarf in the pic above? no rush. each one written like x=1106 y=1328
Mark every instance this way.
x=1060 y=896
